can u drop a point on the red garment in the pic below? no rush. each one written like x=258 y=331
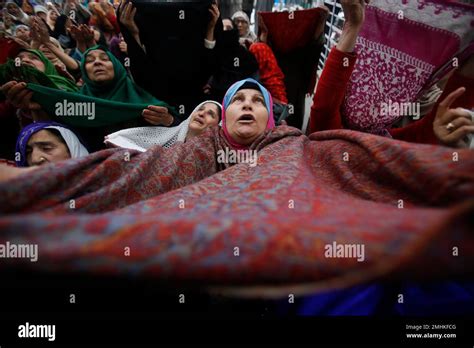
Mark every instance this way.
x=331 y=89
x=290 y=31
x=271 y=75
x=327 y=101
x=9 y=49
x=421 y=131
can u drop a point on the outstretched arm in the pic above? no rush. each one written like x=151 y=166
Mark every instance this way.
x=329 y=96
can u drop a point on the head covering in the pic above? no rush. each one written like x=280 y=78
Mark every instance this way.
x=242 y=15
x=76 y=149
x=120 y=100
x=249 y=35
x=50 y=70
x=20 y=26
x=247 y=83
x=143 y=138
x=39 y=8
x=22 y=17
x=121 y=88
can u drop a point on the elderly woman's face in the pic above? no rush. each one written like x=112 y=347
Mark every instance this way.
x=242 y=26
x=246 y=116
x=206 y=116
x=44 y=147
x=31 y=59
x=99 y=67
x=23 y=34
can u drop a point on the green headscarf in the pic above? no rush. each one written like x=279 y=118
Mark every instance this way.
x=50 y=78
x=61 y=82
x=117 y=101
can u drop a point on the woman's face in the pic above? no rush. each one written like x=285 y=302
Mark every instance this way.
x=44 y=147
x=23 y=34
x=31 y=59
x=228 y=25
x=246 y=116
x=99 y=67
x=206 y=116
x=53 y=15
x=12 y=9
x=242 y=26
x=7 y=21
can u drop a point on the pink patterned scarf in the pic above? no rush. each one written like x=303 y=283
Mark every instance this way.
x=403 y=49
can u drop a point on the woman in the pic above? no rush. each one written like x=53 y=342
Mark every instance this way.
x=446 y=124
x=228 y=49
x=193 y=207
x=53 y=15
x=205 y=115
x=44 y=142
x=242 y=23
x=19 y=17
x=118 y=102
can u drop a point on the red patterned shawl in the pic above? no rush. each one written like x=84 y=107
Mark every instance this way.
x=182 y=215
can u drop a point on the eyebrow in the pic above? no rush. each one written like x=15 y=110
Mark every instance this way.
x=40 y=143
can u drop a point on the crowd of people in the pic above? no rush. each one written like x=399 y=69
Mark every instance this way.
x=95 y=53
x=144 y=102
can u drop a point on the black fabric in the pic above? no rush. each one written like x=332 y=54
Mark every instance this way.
x=229 y=50
x=176 y=66
x=298 y=67
x=61 y=34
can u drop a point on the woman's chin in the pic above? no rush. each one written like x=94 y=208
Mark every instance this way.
x=245 y=137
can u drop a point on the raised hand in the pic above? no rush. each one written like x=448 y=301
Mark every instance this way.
x=158 y=116
x=39 y=31
x=215 y=13
x=354 y=12
x=262 y=27
x=452 y=125
x=127 y=17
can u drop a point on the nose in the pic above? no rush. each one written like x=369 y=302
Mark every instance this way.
x=247 y=104
x=37 y=158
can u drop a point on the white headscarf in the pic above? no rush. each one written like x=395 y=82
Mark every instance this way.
x=250 y=35
x=143 y=138
x=76 y=149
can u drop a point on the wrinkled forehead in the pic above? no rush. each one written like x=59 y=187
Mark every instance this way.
x=248 y=92
x=207 y=107
x=27 y=54
x=98 y=53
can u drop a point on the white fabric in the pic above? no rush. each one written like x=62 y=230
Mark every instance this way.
x=209 y=44
x=250 y=34
x=469 y=139
x=143 y=138
x=76 y=149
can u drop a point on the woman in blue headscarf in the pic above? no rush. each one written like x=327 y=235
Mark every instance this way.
x=43 y=142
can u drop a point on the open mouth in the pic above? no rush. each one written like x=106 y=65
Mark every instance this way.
x=246 y=118
x=199 y=121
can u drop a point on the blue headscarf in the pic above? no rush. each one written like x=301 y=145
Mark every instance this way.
x=76 y=149
x=230 y=94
